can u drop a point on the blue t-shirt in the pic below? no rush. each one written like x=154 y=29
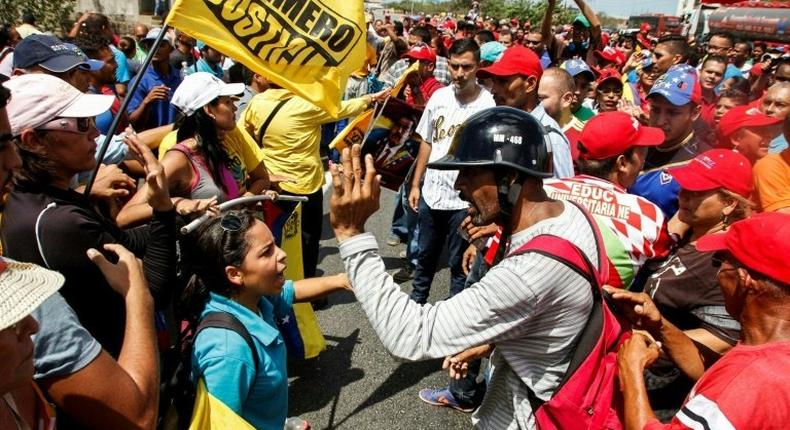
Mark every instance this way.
x=160 y=112
x=202 y=66
x=656 y=184
x=224 y=360
x=777 y=145
x=122 y=75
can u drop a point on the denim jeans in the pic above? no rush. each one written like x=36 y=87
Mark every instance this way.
x=436 y=226
x=467 y=391
x=405 y=226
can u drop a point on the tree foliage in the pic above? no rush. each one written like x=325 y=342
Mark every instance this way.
x=51 y=15
x=524 y=10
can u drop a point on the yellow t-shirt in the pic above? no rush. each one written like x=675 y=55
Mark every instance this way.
x=772 y=181
x=293 y=137
x=244 y=154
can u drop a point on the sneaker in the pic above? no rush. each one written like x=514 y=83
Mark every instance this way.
x=393 y=240
x=443 y=397
x=403 y=274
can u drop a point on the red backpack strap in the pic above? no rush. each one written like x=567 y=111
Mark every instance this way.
x=568 y=253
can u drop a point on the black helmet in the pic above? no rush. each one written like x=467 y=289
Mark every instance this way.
x=500 y=136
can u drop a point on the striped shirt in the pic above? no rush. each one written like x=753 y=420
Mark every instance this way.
x=531 y=306
x=443 y=115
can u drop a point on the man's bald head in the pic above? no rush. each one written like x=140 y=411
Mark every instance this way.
x=555 y=92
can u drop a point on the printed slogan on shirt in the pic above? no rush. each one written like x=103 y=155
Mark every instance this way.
x=307 y=46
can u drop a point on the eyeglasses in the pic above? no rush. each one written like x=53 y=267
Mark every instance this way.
x=71 y=125
x=611 y=91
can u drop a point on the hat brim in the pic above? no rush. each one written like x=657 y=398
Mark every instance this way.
x=712 y=242
x=88 y=105
x=92 y=65
x=23 y=288
x=496 y=69
x=692 y=179
x=611 y=78
x=62 y=63
x=231 y=89
x=650 y=136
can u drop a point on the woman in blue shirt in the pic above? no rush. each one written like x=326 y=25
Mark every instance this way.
x=240 y=270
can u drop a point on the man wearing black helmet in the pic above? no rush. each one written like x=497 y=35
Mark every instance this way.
x=530 y=306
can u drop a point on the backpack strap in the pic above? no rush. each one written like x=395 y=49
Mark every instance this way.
x=262 y=130
x=227 y=321
x=568 y=253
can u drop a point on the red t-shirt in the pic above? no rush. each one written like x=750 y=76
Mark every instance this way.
x=427 y=88
x=748 y=388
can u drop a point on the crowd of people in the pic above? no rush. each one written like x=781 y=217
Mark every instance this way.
x=668 y=155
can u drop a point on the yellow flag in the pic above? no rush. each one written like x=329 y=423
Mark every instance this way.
x=354 y=131
x=307 y=46
x=402 y=81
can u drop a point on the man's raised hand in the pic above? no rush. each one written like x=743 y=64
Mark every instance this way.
x=354 y=198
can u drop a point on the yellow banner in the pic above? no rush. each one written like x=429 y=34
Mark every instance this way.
x=307 y=46
x=312 y=338
x=402 y=80
x=354 y=131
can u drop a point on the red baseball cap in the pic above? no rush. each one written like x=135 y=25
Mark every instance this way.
x=611 y=54
x=609 y=73
x=644 y=27
x=759 y=242
x=717 y=168
x=740 y=117
x=609 y=134
x=421 y=52
x=516 y=60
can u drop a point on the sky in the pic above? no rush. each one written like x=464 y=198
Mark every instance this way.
x=625 y=8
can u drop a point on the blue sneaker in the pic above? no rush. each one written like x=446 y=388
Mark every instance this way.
x=443 y=397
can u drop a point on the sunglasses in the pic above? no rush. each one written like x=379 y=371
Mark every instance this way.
x=71 y=125
x=230 y=222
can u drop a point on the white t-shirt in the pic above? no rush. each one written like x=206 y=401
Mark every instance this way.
x=443 y=115
x=7 y=62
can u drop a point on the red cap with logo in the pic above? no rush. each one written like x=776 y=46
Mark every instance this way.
x=717 y=168
x=740 y=117
x=609 y=134
x=516 y=60
x=759 y=243
x=421 y=52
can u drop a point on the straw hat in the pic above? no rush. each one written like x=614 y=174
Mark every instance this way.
x=23 y=287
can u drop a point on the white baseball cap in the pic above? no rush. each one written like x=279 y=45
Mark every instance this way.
x=37 y=98
x=199 y=89
x=23 y=287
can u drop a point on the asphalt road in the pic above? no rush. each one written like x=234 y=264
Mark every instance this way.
x=355 y=383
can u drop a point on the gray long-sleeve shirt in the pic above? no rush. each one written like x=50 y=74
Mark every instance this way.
x=531 y=306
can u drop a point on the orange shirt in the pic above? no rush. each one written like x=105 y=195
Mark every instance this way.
x=772 y=181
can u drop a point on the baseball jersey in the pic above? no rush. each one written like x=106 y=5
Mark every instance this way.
x=442 y=117
x=633 y=228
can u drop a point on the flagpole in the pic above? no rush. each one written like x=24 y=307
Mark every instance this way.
x=124 y=103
